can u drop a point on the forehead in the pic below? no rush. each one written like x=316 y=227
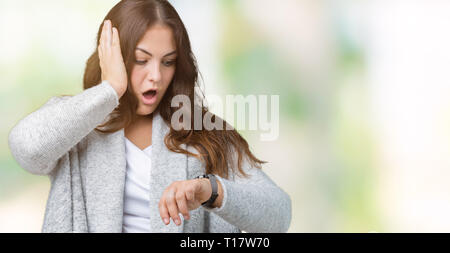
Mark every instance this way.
x=158 y=40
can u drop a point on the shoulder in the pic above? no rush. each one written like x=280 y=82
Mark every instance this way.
x=59 y=98
x=56 y=99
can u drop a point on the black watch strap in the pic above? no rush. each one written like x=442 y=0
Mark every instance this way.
x=214 y=187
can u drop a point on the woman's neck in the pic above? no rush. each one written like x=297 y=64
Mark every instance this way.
x=140 y=131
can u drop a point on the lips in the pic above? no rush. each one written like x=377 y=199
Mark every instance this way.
x=149 y=97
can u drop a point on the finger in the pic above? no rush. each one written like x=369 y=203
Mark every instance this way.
x=103 y=35
x=100 y=59
x=99 y=50
x=172 y=207
x=101 y=55
x=115 y=40
x=163 y=212
x=182 y=204
x=108 y=34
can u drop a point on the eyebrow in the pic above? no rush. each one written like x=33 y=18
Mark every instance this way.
x=171 y=53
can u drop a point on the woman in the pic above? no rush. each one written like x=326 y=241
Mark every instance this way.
x=114 y=159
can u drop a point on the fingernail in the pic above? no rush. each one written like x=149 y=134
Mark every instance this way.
x=177 y=221
x=166 y=221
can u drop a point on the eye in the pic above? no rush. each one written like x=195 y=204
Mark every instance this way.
x=169 y=63
x=141 y=62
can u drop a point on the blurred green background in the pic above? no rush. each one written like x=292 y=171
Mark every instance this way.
x=364 y=141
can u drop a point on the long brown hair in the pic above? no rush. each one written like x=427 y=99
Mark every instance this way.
x=217 y=148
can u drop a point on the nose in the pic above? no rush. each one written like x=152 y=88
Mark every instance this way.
x=154 y=72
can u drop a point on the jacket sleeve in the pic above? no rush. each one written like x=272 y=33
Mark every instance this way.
x=41 y=138
x=254 y=204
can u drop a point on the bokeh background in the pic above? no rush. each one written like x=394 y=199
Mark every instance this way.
x=364 y=143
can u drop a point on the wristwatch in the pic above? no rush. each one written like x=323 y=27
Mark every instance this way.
x=214 y=194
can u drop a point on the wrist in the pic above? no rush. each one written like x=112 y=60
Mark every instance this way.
x=219 y=199
x=210 y=190
x=119 y=92
x=206 y=194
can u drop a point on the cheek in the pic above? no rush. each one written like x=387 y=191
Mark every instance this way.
x=168 y=76
x=136 y=77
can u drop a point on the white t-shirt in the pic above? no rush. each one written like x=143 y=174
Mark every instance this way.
x=136 y=207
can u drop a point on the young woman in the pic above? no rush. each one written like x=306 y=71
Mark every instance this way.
x=115 y=161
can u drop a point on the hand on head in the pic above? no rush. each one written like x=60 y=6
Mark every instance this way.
x=111 y=60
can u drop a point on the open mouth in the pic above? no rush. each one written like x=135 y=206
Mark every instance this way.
x=149 y=97
x=150 y=93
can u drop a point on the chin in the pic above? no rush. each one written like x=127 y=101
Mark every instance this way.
x=145 y=110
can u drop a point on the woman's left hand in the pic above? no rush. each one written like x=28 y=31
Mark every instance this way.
x=182 y=197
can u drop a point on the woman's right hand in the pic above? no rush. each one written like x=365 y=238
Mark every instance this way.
x=111 y=60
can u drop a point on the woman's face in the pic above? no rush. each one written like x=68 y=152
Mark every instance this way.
x=154 y=67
